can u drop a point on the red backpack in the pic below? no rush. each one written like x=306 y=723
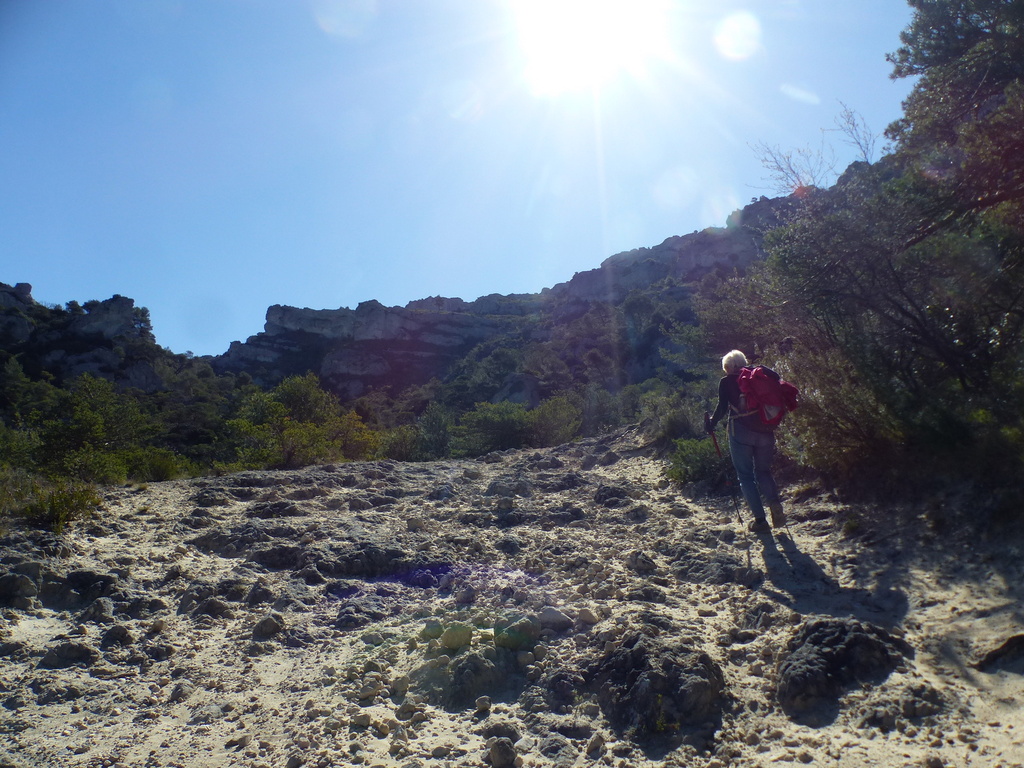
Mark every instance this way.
x=766 y=394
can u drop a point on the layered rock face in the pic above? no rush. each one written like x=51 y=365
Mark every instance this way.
x=356 y=350
x=68 y=343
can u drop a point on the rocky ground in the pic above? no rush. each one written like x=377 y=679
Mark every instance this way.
x=557 y=607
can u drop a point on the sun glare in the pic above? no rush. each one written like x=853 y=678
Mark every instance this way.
x=573 y=45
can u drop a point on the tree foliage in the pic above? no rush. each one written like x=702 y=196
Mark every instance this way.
x=896 y=299
x=296 y=424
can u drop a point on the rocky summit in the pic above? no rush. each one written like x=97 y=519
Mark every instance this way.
x=374 y=348
x=562 y=607
x=355 y=351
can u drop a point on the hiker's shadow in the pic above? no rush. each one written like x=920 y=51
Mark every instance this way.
x=796 y=580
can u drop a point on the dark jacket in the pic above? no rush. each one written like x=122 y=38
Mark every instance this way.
x=729 y=395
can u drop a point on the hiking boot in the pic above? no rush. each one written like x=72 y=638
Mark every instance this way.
x=778 y=516
x=760 y=525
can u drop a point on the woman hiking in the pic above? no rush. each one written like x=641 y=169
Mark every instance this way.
x=751 y=445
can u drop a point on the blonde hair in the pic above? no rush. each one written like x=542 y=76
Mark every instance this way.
x=733 y=361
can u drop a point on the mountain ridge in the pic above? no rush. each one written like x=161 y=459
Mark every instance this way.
x=355 y=351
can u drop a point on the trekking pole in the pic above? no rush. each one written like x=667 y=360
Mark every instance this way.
x=711 y=431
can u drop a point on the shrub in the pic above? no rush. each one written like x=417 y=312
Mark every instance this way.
x=155 y=464
x=695 y=461
x=44 y=504
x=17 y=446
x=92 y=466
x=401 y=443
x=435 y=431
x=600 y=410
x=494 y=427
x=555 y=421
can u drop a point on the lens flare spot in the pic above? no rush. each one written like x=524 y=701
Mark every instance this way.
x=796 y=93
x=344 y=18
x=719 y=205
x=738 y=36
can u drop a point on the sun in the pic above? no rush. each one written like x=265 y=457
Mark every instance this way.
x=580 y=45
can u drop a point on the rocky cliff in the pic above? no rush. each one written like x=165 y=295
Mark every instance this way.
x=357 y=350
x=110 y=339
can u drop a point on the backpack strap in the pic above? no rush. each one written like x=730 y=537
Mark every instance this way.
x=735 y=414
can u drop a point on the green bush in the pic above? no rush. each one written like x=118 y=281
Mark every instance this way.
x=435 y=426
x=44 y=504
x=695 y=461
x=555 y=421
x=494 y=427
x=401 y=443
x=92 y=466
x=151 y=464
x=601 y=411
x=18 y=446
x=294 y=425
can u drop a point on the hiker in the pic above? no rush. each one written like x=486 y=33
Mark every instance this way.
x=751 y=445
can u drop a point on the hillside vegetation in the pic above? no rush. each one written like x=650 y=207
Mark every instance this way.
x=894 y=299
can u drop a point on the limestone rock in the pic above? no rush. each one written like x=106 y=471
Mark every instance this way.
x=502 y=753
x=646 y=684
x=69 y=653
x=826 y=655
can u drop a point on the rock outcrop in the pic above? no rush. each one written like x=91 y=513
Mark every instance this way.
x=80 y=339
x=356 y=350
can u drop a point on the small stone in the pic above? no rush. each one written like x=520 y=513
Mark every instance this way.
x=595 y=747
x=432 y=629
x=368 y=691
x=268 y=626
x=483 y=704
x=68 y=654
x=117 y=635
x=518 y=635
x=457 y=636
x=502 y=753
x=552 y=618
x=587 y=616
x=241 y=742
x=182 y=691
x=101 y=611
x=400 y=686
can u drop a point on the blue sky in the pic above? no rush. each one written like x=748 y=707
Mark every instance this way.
x=210 y=158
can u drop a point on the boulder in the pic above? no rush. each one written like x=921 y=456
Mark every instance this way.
x=650 y=685
x=516 y=635
x=68 y=654
x=826 y=656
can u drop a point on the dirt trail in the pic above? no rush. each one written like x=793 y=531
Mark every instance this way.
x=557 y=607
